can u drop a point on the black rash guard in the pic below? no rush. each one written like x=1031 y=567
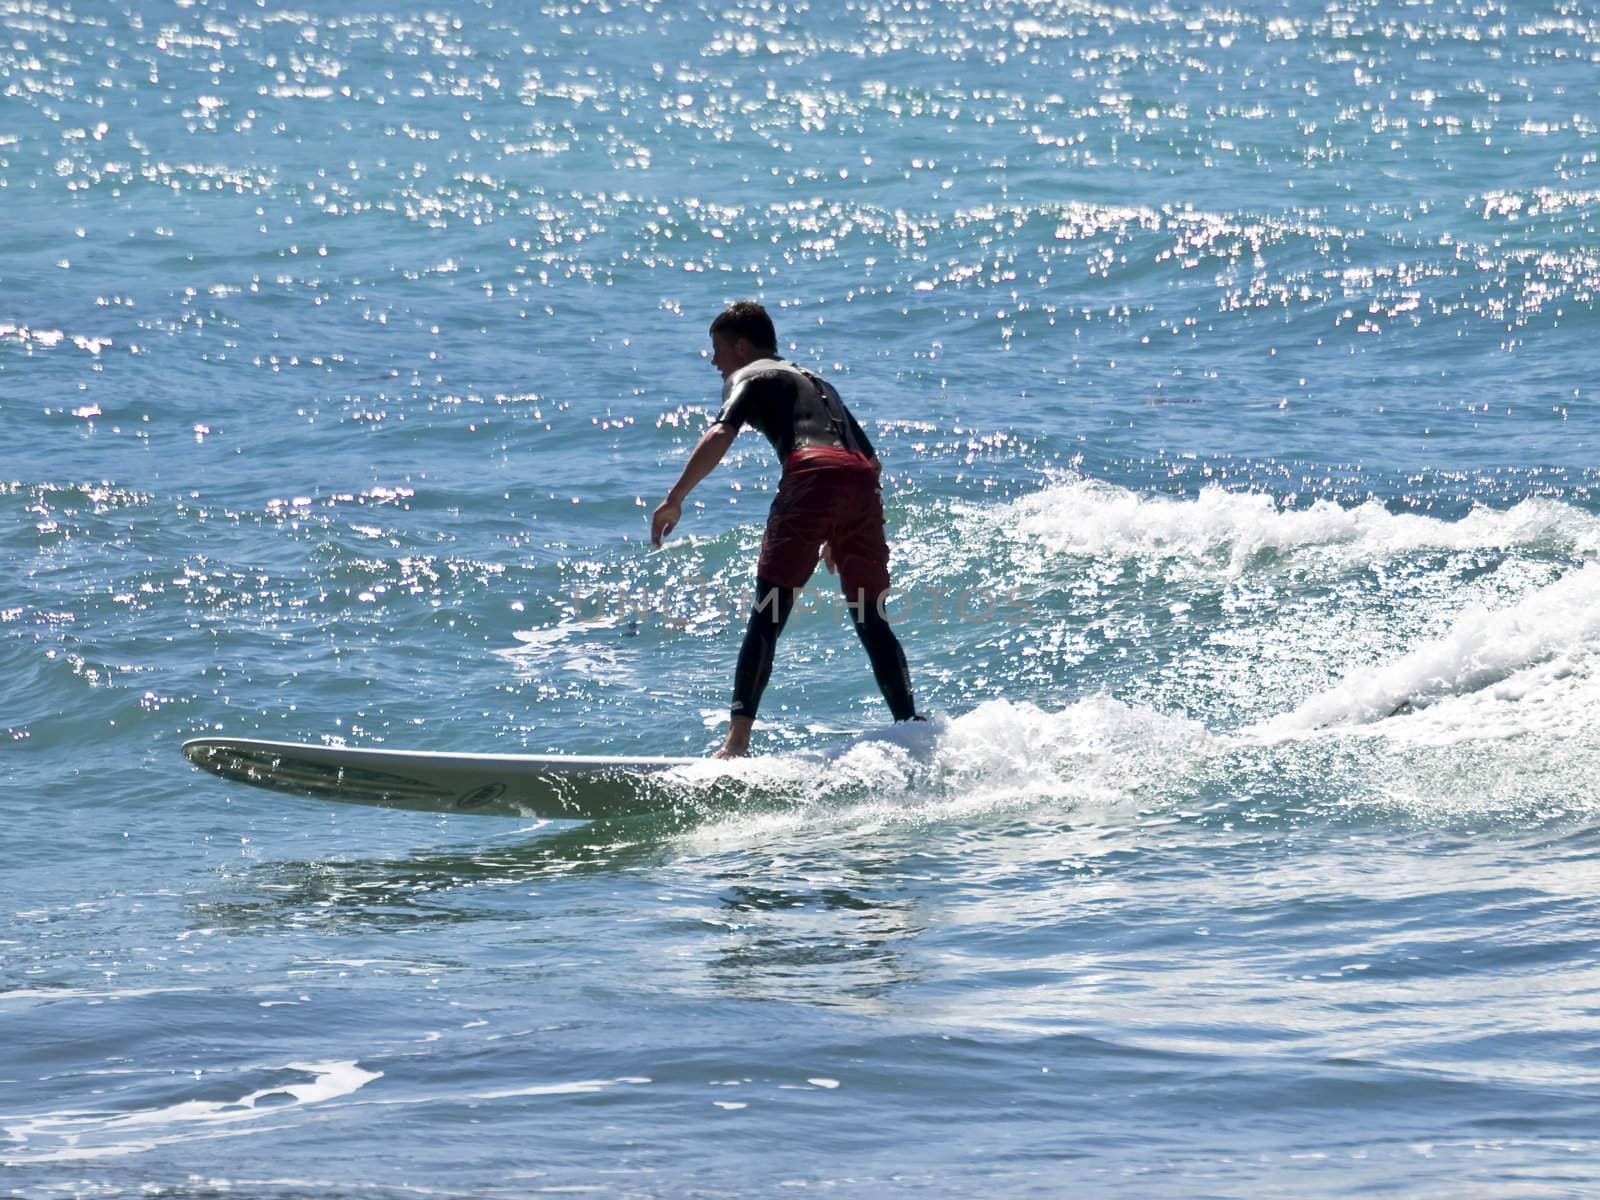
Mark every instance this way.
x=793 y=407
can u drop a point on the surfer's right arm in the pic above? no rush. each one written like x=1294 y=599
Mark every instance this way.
x=707 y=453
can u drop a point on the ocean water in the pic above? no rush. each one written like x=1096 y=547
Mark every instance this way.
x=1233 y=368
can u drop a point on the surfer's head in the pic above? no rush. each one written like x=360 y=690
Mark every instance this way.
x=741 y=334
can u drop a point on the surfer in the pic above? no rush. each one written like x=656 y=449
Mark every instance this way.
x=828 y=503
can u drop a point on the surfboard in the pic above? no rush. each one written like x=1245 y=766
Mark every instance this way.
x=543 y=786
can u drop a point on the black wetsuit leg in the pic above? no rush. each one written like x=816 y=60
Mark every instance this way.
x=768 y=616
x=888 y=659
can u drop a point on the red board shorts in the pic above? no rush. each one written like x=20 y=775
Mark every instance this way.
x=827 y=495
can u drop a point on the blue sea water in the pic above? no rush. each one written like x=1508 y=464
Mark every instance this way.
x=1233 y=371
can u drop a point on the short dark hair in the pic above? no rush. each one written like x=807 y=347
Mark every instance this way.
x=746 y=319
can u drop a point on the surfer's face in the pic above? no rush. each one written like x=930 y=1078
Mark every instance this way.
x=729 y=354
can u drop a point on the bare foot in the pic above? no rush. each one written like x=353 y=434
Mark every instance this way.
x=737 y=743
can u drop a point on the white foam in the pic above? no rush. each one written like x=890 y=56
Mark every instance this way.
x=1546 y=704
x=1490 y=657
x=1096 y=519
x=70 y=993
x=576 y=1087
x=574 y=646
x=1000 y=754
x=64 y=1136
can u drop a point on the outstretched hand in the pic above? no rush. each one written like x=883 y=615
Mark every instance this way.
x=664 y=520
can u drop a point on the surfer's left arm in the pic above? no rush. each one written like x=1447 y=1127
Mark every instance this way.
x=707 y=453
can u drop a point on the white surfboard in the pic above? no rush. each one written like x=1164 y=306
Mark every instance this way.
x=548 y=786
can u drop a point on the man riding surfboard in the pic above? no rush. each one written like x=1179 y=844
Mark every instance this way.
x=828 y=504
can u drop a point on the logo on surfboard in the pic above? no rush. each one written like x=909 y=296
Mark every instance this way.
x=480 y=796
